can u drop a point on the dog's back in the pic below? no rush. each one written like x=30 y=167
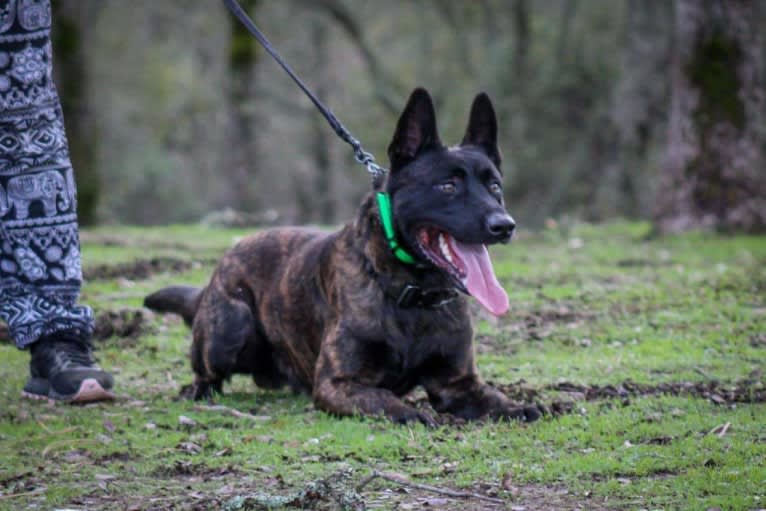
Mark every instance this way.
x=262 y=257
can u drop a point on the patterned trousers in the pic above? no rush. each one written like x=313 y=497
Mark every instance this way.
x=40 y=272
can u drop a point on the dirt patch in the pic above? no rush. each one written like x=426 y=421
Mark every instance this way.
x=720 y=393
x=644 y=263
x=540 y=323
x=122 y=324
x=535 y=324
x=187 y=468
x=142 y=268
x=334 y=492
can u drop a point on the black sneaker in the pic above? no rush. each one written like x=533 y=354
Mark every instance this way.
x=62 y=369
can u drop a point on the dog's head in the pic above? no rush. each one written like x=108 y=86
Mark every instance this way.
x=448 y=201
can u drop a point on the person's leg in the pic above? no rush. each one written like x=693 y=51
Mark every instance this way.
x=40 y=273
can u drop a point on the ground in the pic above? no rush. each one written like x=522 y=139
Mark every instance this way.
x=648 y=353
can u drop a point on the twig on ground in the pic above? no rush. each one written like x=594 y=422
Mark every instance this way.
x=22 y=494
x=720 y=430
x=60 y=431
x=399 y=479
x=232 y=411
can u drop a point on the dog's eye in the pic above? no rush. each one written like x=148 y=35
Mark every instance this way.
x=495 y=188
x=448 y=187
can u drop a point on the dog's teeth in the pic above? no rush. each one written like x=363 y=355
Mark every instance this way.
x=444 y=248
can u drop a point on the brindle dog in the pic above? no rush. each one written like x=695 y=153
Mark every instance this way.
x=340 y=316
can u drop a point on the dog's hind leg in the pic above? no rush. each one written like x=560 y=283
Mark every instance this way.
x=223 y=327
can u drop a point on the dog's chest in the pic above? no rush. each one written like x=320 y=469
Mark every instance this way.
x=410 y=349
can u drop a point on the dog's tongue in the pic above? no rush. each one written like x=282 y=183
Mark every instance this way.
x=480 y=277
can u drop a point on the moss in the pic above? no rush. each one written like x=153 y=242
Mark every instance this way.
x=714 y=71
x=243 y=49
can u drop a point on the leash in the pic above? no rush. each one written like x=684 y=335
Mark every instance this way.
x=362 y=156
x=378 y=173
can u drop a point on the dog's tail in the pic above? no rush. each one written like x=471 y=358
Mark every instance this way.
x=181 y=300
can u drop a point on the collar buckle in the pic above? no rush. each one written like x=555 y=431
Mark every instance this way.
x=414 y=296
x=408 y=296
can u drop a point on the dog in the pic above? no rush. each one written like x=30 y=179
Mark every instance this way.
x=359 y=317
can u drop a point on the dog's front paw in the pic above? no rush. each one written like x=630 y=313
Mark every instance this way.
x=412 y=415
x=526 y=413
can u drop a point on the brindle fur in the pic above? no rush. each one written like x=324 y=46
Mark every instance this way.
x=314 y=310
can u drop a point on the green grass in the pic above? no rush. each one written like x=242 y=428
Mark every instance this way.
x=590 y=305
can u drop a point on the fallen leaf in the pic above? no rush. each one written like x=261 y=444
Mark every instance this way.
x=717 y=399
x=450 y=467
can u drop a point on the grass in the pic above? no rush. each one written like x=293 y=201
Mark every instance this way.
x=592 y=305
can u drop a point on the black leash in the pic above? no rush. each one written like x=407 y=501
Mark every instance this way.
x=378 y=173
x=362 y=156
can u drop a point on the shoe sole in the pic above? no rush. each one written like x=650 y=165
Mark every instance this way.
x=90 y=390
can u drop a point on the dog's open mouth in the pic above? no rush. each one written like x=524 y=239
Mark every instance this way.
x=468 y=264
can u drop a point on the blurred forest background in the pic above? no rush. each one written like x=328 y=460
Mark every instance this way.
x=632 y=108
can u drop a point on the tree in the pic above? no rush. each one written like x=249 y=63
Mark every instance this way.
x=713 y=175
x=72 y=83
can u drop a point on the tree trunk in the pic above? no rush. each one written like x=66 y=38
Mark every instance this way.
x=320 y=132
x=639 y=109
x=521 y=44
x=72 y=18
x=713 y=175
x=241 y=149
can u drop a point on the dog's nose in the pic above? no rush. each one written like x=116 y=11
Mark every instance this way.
x=501 y=226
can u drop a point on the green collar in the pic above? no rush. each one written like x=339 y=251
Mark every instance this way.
x=387 y=219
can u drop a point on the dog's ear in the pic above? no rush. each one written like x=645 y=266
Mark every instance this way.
x=482 y=128
x=415 y=131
